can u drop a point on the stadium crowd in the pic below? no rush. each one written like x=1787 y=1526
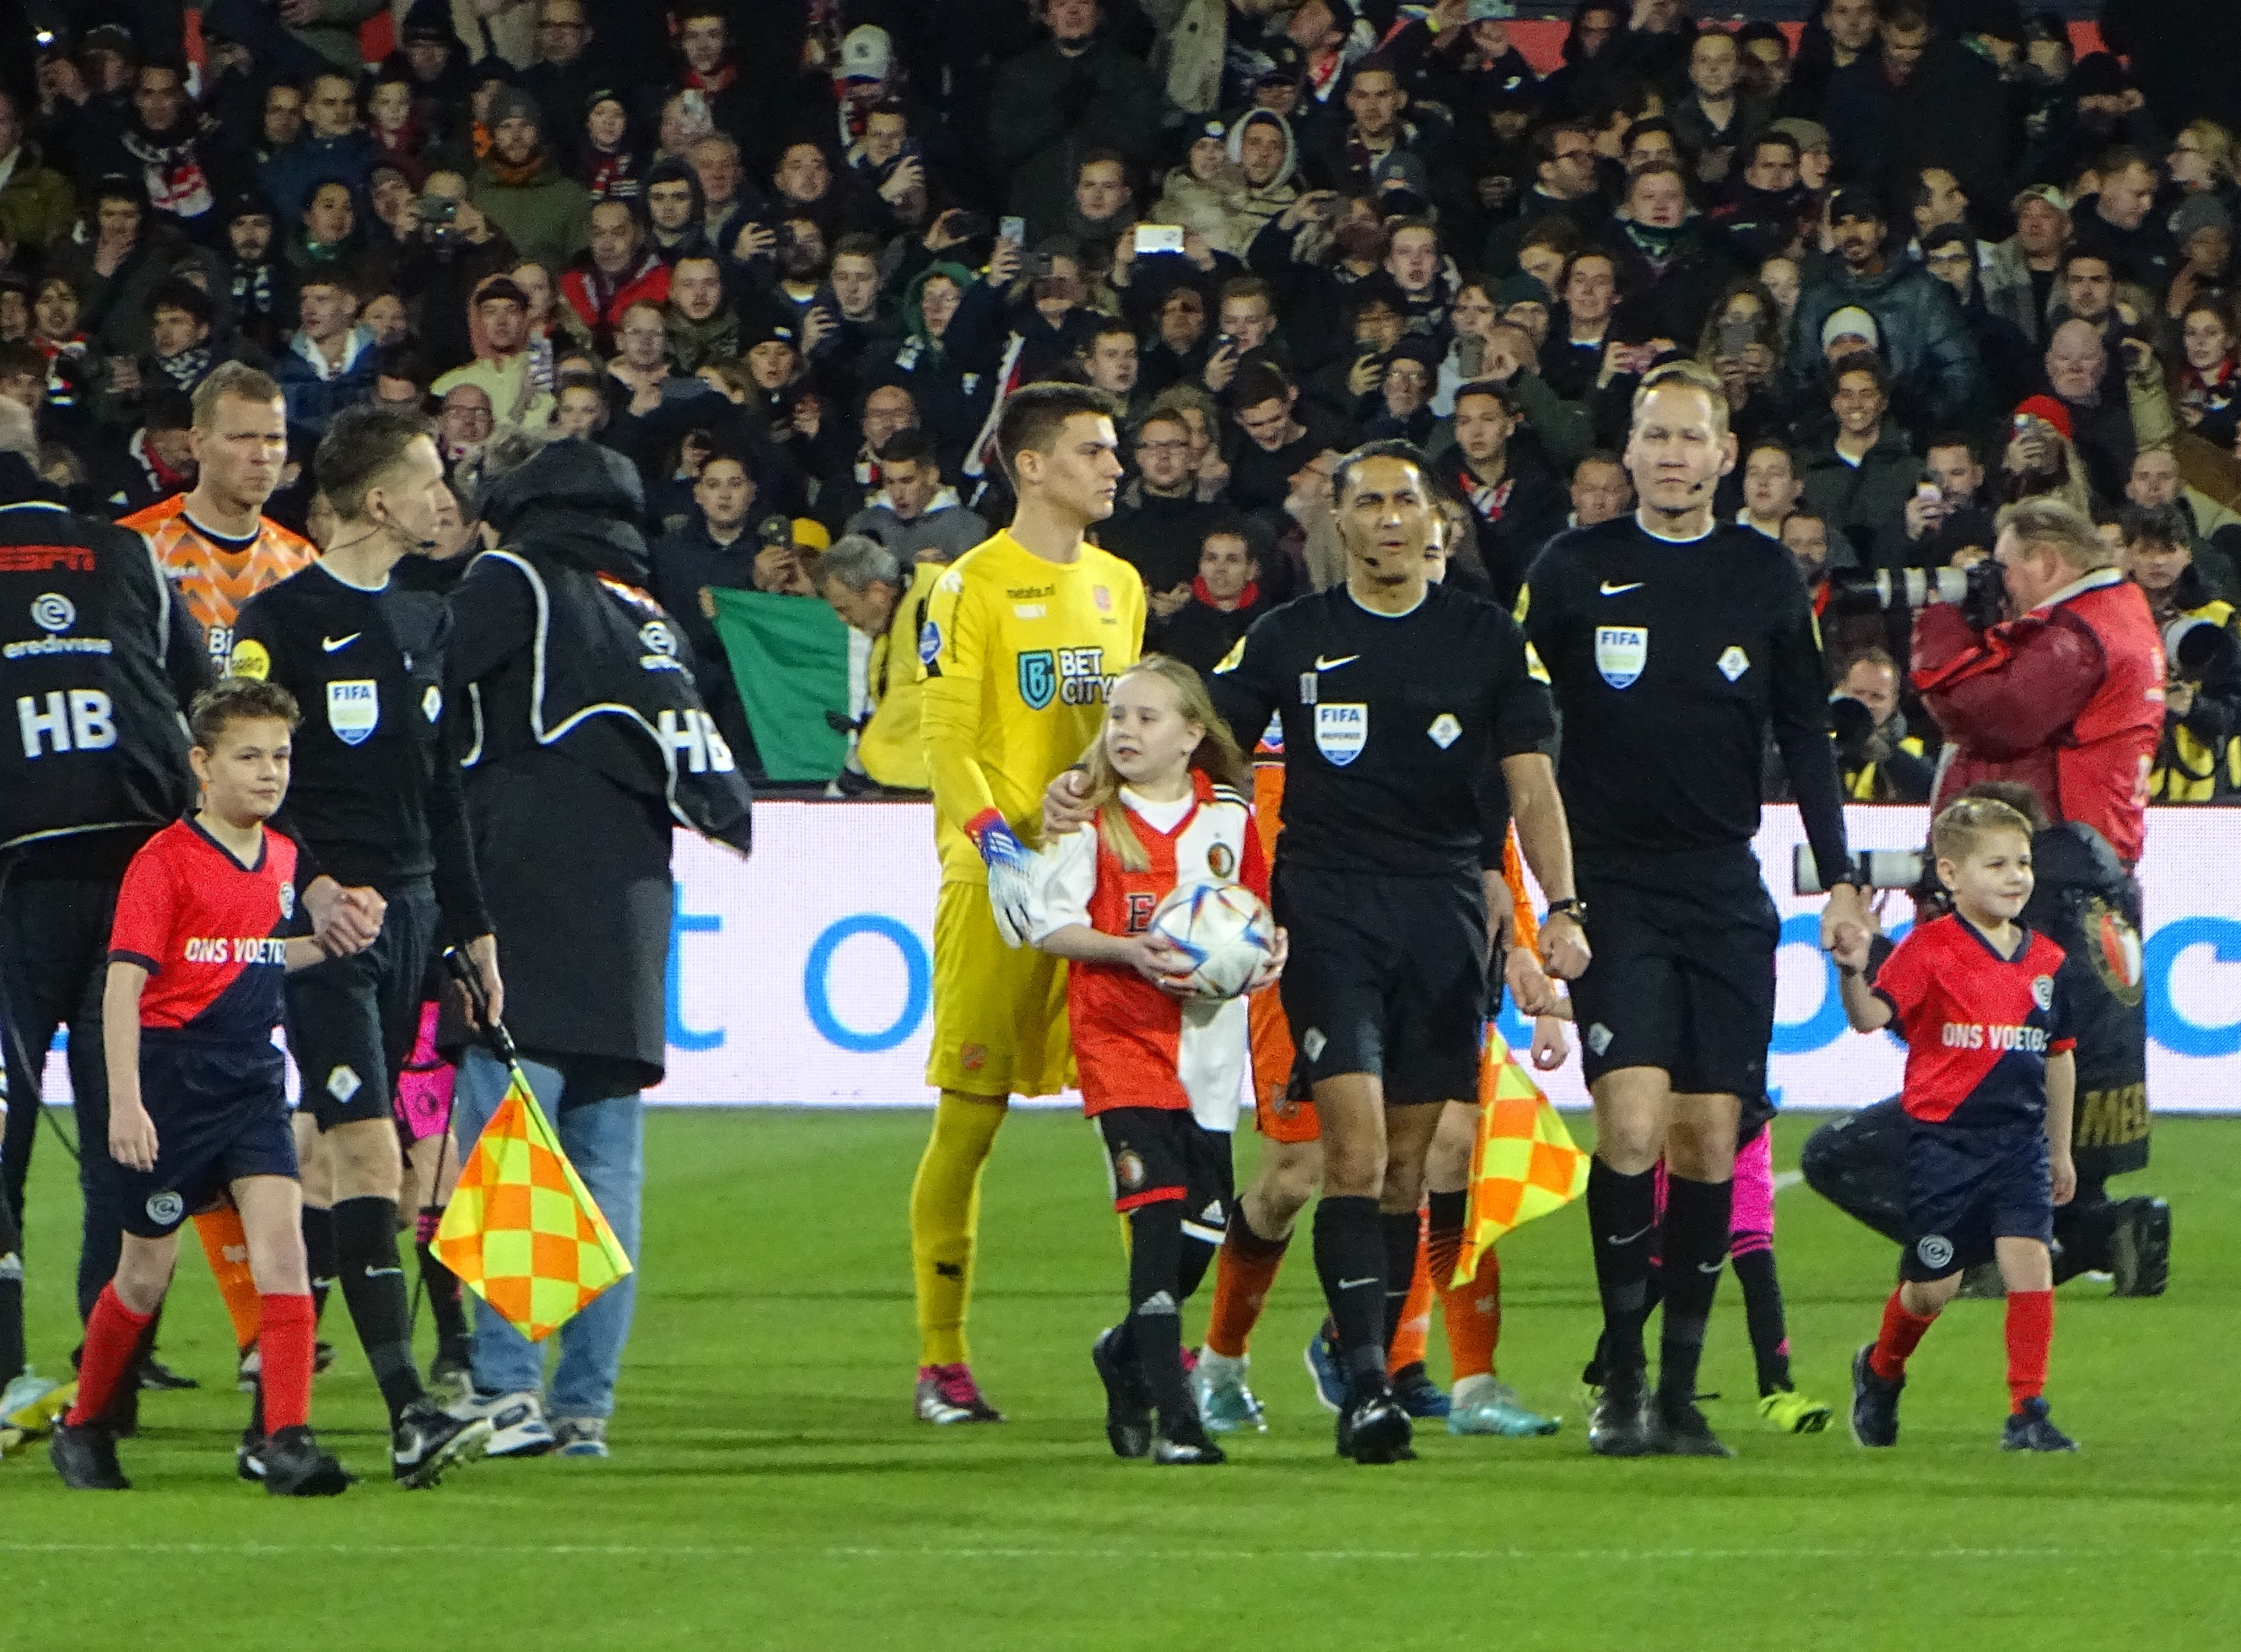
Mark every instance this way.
x=788 y=258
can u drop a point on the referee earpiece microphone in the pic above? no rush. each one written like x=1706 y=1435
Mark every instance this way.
x=409 y=537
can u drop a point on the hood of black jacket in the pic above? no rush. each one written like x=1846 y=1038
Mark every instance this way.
x=20 y=484
x=575 y=501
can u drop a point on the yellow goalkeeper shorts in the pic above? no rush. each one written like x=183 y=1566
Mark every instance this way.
x=999 y=1010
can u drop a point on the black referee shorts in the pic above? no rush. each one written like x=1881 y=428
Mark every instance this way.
x=1682 y=973
x=1387 y=975
x=352 y=1021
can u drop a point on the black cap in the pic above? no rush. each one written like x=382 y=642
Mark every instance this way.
x=501 y=287
x=428 y=20
x=1418 y=347
x=1854 y=202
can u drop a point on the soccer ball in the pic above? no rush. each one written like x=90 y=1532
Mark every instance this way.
x=1223 y=928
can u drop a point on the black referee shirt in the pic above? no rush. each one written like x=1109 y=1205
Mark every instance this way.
x=375 y=797
x=1393 y=727
x=1670 y=658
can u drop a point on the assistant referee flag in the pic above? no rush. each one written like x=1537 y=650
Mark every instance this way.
x=523 y=1232
x=1523 y=1163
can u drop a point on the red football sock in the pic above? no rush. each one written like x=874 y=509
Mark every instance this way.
x=112 y=1337
x=1474 y=1318
x=1416 y=1328
x=2030 y=1333
x=1244 y=1272
x=1902 y=1331
x=284 y=1340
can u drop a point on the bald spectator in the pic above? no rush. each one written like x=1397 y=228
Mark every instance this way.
x=617 y=270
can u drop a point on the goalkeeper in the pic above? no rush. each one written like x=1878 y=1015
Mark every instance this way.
x=1023 y=638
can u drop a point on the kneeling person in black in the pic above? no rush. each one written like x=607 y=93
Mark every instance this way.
x=375 y=809
x=1409 y=713
x=1672 y=644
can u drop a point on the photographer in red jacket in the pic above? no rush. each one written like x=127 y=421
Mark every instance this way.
x=2067 y=697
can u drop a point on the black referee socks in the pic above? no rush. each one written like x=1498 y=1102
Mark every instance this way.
x=1400 y=1230
x=318 y=1225
x=1695 y=1253
x=372 y=1279
x=1350 y=1261
x=1623 y=1223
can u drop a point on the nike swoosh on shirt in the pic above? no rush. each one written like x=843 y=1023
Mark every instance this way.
x=329 y=643
x=1324 y=662
x=1610 y=589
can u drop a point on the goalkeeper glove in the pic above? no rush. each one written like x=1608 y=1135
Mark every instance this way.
x=1007 y=861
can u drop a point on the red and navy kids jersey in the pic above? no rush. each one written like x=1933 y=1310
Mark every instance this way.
x=210 y=932
x=1978 y=1027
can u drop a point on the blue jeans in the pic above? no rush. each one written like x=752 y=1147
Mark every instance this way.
x=606 y=1142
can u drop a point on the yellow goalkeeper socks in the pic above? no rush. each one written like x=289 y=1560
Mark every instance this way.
x=945 y=1217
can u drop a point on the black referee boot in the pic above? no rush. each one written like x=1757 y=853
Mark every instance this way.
x=1373 y=1428
x=1683 y=1430
x=1624 y=1423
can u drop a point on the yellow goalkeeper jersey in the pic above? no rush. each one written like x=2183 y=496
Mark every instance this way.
x=1016 y=654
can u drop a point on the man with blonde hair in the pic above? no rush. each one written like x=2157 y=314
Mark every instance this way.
x=1676 y=644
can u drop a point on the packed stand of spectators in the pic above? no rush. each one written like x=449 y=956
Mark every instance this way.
x=788 y=256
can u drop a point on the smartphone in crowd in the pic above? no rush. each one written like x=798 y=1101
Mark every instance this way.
x=1152 y=239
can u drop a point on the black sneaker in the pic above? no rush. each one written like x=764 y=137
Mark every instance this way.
x=2140 y=1248
x=1624 y=1423
x=1374 y=1428
x=86 y=1457
x=1684 y=1431
x=1875 y=1401
x=1185 y=1444
x=294 y=1466
x=152 y=1374
x=323 y=1355
x=428 y=1439
x=2032 y=1429
x=1127 y=1408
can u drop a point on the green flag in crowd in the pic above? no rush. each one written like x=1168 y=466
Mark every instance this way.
x=790 y=657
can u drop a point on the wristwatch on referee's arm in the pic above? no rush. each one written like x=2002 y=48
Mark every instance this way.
x=1570 y=907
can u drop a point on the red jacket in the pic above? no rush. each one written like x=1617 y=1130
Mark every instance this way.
x=2068 y=699
x=600 y=299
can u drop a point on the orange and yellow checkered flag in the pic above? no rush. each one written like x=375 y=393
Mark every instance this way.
x=1523 y=1164
x=523 y=1231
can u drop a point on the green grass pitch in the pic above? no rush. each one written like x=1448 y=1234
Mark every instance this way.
x=769 y=1487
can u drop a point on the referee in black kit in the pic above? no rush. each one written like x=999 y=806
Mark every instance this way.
x=1672 y=642
x=376 y=805
x=1413 y=726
